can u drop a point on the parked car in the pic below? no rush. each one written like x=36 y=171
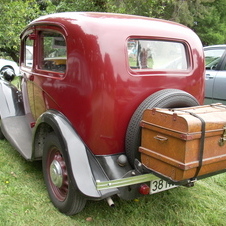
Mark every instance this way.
x=215 y=58
x=83 y=95
x=8 y=64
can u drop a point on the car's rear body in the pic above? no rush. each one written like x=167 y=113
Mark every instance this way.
x=99 y=92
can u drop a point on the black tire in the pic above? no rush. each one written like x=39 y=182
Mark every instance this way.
x=167 y=98
x=63 y=193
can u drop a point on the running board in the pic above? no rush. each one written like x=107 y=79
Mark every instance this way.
x=19 y=134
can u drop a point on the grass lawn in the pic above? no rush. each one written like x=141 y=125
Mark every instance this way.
x=24 y=201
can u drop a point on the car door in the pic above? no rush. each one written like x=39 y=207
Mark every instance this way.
x=219 y=85
x=215 y=75
x=42 y=73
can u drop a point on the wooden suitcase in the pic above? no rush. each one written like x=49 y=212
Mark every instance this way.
x=181 y=144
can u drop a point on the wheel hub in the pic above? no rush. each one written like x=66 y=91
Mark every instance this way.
x=56 y=173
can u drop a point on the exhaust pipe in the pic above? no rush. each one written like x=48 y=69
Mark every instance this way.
x=110 y=202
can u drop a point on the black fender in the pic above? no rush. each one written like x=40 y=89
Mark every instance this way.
x=10 y=100
x=81 y=162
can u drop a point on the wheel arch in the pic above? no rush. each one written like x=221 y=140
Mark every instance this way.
x=7 y=66
x=77 y=157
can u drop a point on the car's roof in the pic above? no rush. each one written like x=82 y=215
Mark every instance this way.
x=7 y=61
x=96 y=16
x=100 y=24
x=222 y=46
x=107 y=21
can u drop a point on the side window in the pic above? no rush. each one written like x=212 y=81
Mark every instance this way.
x=53 y=52
x=212 y=58
x=224 y=65
x=28 y=61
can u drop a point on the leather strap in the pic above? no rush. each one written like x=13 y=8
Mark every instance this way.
x=202 y=142
x=202 y=139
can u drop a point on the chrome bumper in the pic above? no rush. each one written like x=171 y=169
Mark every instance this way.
x=122 y=182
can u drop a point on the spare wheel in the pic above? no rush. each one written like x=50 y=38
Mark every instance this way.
x=167 y=98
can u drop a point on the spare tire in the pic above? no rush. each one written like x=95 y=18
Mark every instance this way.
x=167 y=98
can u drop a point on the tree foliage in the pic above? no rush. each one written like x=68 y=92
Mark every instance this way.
x=205 y=17
x=15 y=15
x=150 y=8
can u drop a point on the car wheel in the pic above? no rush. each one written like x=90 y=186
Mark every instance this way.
x=58 y=178
x=167 y=98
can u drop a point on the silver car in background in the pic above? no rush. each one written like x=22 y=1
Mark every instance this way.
x=215 y=58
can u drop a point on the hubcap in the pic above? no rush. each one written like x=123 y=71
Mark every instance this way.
x=56 y=173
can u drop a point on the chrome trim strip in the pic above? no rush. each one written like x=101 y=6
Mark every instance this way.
x=101 y=185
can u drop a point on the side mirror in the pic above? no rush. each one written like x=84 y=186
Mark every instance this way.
x=8 y=74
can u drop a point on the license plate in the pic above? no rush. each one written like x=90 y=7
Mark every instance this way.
x=160 y=185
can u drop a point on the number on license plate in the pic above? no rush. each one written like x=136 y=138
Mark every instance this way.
x=160 y=185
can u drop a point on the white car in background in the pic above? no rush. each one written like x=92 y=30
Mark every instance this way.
x=29 y=56
x=9 y=64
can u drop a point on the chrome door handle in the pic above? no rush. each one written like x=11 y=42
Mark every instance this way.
x=208 y=76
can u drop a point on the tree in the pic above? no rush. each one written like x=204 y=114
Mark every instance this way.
x=212 y=29
x=148 y=8
x=77 y=5
x=15 y=15
x=206 y=17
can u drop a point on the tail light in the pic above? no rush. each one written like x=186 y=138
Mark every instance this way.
x=144 y=189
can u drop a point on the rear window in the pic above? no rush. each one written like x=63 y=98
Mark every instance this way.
x=157 y=55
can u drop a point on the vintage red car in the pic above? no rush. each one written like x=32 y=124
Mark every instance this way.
x=85 y=82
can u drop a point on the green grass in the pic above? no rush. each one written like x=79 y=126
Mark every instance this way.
x=24 y=201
